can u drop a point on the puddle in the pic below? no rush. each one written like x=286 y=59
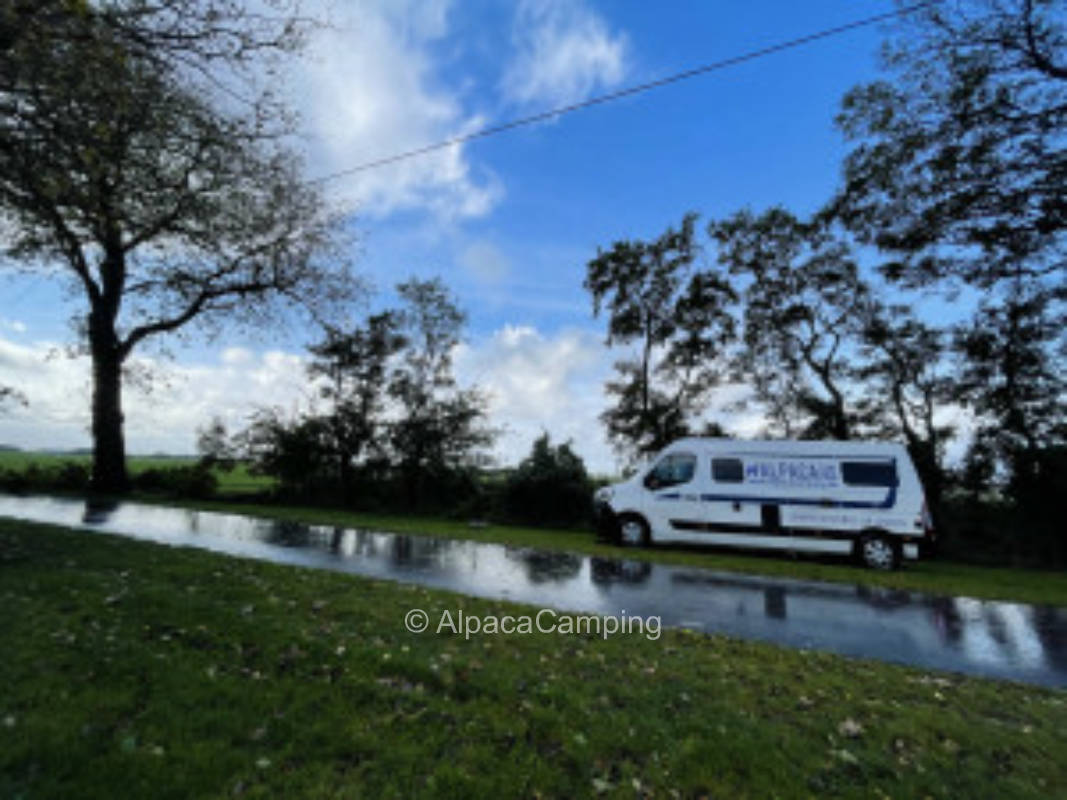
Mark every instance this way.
x=994 y=639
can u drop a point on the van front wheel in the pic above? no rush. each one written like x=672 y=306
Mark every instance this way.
x=633 y=531
x=878 y=552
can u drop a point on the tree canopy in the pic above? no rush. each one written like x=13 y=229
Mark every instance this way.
x=957 y=173
x=679 y=320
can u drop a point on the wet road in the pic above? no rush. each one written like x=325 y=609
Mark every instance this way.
x=995 y=639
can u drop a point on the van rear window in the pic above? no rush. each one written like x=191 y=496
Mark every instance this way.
x=869 y=473
x=727 y=470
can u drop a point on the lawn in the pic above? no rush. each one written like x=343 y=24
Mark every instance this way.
x=135 y=669
x=933 y=576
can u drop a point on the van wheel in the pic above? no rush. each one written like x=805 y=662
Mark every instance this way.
x=878 y=552
x=633 y=531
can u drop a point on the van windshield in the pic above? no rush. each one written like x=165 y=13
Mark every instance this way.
x=672 y=470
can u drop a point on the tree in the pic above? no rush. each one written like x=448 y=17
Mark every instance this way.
x=957 y=173
x=355 y=365
x=1008 y=377
x=214 y=446
x=680 y=321
x=550 y=486
x=440 y=428
x=162 y=206
x=802 y=300
x=295 y=451
x=903 y=365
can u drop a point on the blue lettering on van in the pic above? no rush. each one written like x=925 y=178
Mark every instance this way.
x=793 y=473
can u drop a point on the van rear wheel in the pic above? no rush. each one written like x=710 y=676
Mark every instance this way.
x=878 y=552
x=633 y=531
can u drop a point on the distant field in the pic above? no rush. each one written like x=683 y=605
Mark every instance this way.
x=235 y=482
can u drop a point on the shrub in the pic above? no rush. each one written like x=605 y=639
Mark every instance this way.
x=550 y=487
x=196 y=482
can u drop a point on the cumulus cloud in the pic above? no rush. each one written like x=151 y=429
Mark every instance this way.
x=164 y=419
x=538 y=383
x=535 y=383
x=369 y=90
x=564 y=53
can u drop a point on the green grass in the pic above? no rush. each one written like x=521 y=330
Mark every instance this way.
x=139 y=670
x=933 y=576
x=235 y=481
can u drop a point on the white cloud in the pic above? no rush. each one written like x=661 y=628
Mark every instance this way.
x=165 y=419
x=535 y=383
x=538 y=383
x=368 y=90
x=12 y=325
x=485 y=262
x=565 y=53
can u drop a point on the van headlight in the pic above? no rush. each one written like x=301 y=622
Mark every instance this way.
x=603 y=495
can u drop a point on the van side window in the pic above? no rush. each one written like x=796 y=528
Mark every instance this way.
x=869 y=473
x=727 y=470
x=672 y=470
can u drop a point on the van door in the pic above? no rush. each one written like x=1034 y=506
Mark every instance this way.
x=674 y=505
x=728 y=509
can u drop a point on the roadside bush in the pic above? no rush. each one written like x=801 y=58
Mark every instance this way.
x=67 y=476
x=550 y=487
x=195 y=482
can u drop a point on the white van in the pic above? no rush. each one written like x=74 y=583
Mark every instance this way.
x=859 y=498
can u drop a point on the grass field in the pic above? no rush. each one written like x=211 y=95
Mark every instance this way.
x=139 y=670
x=236 y=481
x=937 y=577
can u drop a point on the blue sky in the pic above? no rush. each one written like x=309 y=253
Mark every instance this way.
x=508 y=221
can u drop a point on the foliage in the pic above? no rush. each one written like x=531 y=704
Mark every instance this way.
x=904 y=372
x=679 y=321
x=297 y=452
x=440 y=428
x=957 y=174
x=398 y=430
x=196 y=481
x=802 y=300
x=56 y=476
x=549 y=487
x=214 y=447
x=355 y=366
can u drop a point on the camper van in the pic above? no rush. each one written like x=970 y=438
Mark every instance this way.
x=853 y=498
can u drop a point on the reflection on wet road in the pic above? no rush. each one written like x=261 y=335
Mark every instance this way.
x=1008 y=640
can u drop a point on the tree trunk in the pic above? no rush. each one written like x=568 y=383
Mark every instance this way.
x=109 y=446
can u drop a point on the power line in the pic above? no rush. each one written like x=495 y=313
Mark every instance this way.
x=541 y=116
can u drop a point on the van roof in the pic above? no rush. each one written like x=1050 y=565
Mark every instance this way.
x=787 y=447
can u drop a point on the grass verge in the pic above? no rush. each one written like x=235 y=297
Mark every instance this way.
x=137 y=669
x=933 y=576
